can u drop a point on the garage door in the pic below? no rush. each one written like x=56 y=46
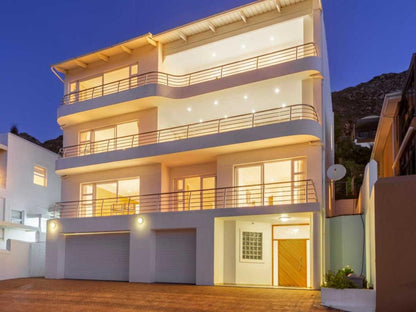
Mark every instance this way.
x=98 y=257
x=176 y=256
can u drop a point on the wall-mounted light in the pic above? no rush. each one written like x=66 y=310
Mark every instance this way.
x=53 y=225
x=140 y=220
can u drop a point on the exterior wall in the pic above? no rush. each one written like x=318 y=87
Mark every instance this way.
x=347 y=239
x=22 y=259
x=142 y=238
x=147 y=122
x=386 y=163
x=394 y=210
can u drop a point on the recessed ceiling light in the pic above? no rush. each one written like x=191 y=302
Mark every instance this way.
x=253 y=111
x=189 y=109
x=225 y=116
x=243 y=46
x=201 y=120
x=277 y=90
x=283 y=104
x=245 y=97
x=271 y=38
x=215 y=102
x=214 y=54
x=284 y=219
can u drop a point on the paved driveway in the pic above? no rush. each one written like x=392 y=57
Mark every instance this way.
x=37 y=294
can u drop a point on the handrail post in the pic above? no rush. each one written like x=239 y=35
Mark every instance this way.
x=225 y=198
x=187 y=132
x=306 y=192
x=252 y=121
x=102 y=205
x=296 y=53
x=290 y=112
x=189 y=200
x=108 y=144
x=118 y=86
x=219 y=125
x=128 y=206
x=158 y=136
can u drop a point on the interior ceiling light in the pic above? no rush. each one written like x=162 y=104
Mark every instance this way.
x=284 y=219
x=189 y=109
x=253 y=111
x=271 y=38
x=214 y=54
x=201 y=120
x=215 y=102
x=283 y=104
x=277 y=90
x=243 y=46
x=245 y=97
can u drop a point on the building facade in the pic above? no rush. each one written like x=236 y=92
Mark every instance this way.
x=29 y=187
x=198 y=155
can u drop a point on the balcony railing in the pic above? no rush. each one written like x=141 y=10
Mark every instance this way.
x=261 y=118
x=271 y=194
x=265 y=60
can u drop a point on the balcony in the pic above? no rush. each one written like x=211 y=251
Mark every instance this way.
x=230 y=69
x=246 y=121
x=259 y=195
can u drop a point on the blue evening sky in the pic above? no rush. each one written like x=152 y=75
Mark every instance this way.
x=365 y=38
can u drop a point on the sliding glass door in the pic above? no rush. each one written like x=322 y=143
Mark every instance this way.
x=195 y=193
x=270 y=183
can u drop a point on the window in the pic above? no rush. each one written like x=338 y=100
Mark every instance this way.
x=17 y=216
x=39 y=176
x=110 y=198
x=251 y=246
x=121 y=136
x=271 y=183
x=195 y=193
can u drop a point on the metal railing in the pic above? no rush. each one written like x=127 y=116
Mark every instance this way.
x=253 y=63
x=245 y=121
x=270 y=194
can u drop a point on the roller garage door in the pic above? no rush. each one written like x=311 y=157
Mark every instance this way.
x=97 y=256
x=176 y=256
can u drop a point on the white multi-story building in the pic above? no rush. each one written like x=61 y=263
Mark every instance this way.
x=198 y=155
x=29 y=187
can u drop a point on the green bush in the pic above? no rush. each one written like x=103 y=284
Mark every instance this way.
x=339 y=280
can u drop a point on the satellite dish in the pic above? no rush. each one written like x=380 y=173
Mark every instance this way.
x=336 y=172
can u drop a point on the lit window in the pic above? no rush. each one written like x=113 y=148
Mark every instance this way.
x=39 y=176
x=252 y=246
x=17 y=216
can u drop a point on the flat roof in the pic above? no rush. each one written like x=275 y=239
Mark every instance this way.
x=241 y=13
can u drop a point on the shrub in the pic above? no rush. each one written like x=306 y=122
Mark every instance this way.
x=340 y=279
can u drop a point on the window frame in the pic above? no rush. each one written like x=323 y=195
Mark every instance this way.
x=39 y=175
x=252 y=260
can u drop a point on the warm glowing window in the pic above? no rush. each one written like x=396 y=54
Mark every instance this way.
x=195 y=193
x=39 y=176
x=271 y=183
x=110 y=197
x=120 y=136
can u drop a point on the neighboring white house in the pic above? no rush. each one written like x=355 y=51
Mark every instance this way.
x=29 y=187
x=198 y=155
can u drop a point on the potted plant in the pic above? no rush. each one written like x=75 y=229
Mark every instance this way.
x=346 y=291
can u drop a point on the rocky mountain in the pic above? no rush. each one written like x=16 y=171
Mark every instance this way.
x=366 y=98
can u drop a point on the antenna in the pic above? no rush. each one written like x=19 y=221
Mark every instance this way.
x=336 y=172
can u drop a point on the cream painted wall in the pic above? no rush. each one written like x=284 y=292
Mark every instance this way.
x=227 y=162
x=150 y=180
x=147 y=122
x=259 y=273
x=257 y=42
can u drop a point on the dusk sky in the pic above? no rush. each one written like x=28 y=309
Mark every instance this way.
x=365 y=38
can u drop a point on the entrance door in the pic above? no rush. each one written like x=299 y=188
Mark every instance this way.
x=292 y=268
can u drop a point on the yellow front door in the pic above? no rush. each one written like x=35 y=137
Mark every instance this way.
x=292 y=269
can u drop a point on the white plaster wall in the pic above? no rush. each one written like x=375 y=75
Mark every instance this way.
x=256 y=42
x=22 y=259
x=22 y=193
x=258 y=273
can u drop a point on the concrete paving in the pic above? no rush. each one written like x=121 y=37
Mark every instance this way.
x=37 y=294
